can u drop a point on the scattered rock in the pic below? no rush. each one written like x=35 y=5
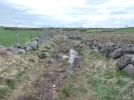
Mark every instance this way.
x=34 y=45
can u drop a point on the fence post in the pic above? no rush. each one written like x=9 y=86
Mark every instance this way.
x=17 y=38
x=31 y=36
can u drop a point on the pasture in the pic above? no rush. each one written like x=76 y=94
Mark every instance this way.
x=8 y=37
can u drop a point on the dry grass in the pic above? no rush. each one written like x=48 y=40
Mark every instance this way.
x=17 y=69
x=112 y=37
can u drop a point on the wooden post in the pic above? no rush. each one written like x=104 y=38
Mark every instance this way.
x=31 y=36
x=17 y=38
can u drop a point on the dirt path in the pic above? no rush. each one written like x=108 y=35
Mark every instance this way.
x=49 y=82
x=46 y=86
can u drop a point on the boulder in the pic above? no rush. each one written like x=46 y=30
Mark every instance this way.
x=117 y=53
x=123 y=61
x=17 y=46
x=21 y=51
x=107 y=47
x=129 y=69
x=129 y=50
x=33 y=44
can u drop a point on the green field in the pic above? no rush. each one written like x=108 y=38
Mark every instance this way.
x=126 y=30
x=8 y=37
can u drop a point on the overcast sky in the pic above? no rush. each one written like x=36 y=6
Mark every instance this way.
x=67 y=13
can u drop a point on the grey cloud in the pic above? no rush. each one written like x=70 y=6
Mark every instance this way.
x=12 y=15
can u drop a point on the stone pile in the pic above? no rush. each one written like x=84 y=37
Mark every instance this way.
x=123 y=53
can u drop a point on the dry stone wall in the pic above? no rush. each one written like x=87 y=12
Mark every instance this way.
x=31 y=45
x=122 y=53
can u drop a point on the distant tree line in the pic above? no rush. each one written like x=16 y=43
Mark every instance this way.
x=25 y=29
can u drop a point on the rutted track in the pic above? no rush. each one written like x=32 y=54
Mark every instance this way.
x=48 y=84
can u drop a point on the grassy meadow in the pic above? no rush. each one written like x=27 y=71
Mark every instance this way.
x=8 y=37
